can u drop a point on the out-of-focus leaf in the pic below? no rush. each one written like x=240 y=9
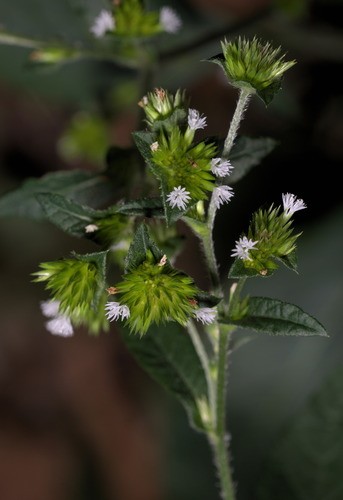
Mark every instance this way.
x=168 y=355
x=79 y=186
x=307 y=462
x=248 y=152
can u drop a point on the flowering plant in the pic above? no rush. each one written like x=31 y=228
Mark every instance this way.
x=179 y=333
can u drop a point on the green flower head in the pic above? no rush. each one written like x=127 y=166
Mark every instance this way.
x=160 y=105
x=179 y=164
x=153 y=292
x=254 y=65
x=78 y=286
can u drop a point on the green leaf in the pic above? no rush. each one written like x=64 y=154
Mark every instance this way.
x=168 y=355
x=307 y=462
x=66 y=214
x=248 y=152
x=238 y=270
x=176 y=118
x=268 y=94
x=143 y=142
x=79 y=186
x=99 y=259
x=145 y=207
x=207 y=300
x=275 y=317
x=139 y=247
x=218 y=59
x=290 y=261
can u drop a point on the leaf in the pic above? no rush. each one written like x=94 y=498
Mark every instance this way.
x=248 y=152
x=143 y=142
x=139 y=247
x=307 y=462
x=268 y=94
x=290 y=261
x=218 y=59
x=66 y=214
x=146 y=207
x=176 y=118
x=99 y=259
x=207 y=300
x=238 y=270
x=168 y=355
x=275 y=317
x=79 y=186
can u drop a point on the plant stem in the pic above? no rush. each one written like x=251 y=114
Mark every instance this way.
x=244 y=96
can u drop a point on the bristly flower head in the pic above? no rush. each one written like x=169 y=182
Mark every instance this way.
x=221 y=167
x=270 y=238
x=154 y=292
x=254 y=65
x=76 y=287
x=292 y=204
x=169 y=20
x=179 y=198
x=161 y=104
x=206 y=315
x=103 y=23
x=222 y=195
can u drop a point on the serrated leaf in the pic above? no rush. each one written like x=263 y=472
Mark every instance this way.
x=307 y=462
x=168 y=355
x=248 y=152
x=143 y=142
x=238 y=270
x=275 y=317
x=139 y=247
x=66 y=214
x=146 y=207
x=79 y=186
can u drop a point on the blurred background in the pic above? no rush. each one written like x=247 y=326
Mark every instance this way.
x=78 y=418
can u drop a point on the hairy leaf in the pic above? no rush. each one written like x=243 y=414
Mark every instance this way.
x=168 y=355
x=139 y=247
x=79 y=186
x=275 y=317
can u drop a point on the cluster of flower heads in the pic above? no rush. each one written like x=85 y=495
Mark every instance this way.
x=188 y=171
x=270 y=236
x=153 y=293
x=128 y=17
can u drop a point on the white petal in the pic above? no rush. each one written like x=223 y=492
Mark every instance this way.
x=206 y=315
x=116 y=311
x=169 y=20
x=102 y=23
x=50 y=308
x=179 y=198
x=61 y=326
x=221 y=195
x=292 y=204
x=221 y=167
x=195 y=121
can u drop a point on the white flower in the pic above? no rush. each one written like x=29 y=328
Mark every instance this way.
x=60 y=325
x=221 y=195
x=116 y=311
x=292 y=204
x=206 y=315
x=102 y=23
x=91 y=228
x=169 y=20
x=50 y=308
x=196 y=121
x=221 y=167
x=154 y=146
x=179 y=198
x=243 y=245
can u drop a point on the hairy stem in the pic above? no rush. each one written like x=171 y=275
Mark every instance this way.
x=242 y=103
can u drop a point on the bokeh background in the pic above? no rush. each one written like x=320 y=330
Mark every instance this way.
x=79 y=420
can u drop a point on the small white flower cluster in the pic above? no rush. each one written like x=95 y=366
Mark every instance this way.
x=206 y=315
x=242 y=248
x=169 y=20
x=115 y=311
x=221 y=167
x=292 y=204
x=103 y=23
x=179 y=198
x=195 y=120
x=59 y=324
x=221 y=195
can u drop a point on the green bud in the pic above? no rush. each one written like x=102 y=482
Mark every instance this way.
x=254 y=65
x=156 y=293
x=131 y=19
x=160 y=105
x=52 y=55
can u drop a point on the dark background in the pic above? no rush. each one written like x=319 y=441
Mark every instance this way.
x=78 y=418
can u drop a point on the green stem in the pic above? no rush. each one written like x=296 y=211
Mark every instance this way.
x=242 y=103
x=219 y=442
